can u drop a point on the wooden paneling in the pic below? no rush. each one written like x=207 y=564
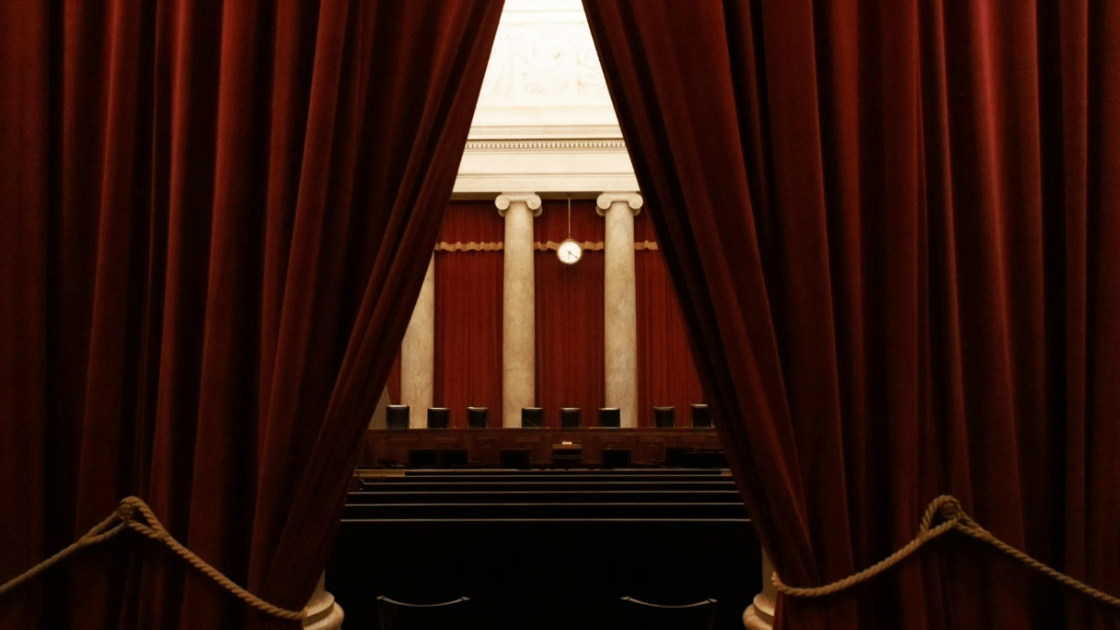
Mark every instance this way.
x=484 y=446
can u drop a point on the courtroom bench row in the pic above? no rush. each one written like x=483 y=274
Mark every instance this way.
x=540 y=496
x=544 y=549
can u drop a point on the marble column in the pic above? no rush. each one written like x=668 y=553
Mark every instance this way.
x=418 y=353
x=760 y=614
x=519 y=350
x=620 y=306
x=323 y=612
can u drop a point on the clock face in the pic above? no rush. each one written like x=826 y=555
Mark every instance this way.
x=569 y=252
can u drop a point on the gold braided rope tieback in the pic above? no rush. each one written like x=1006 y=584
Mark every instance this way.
x=948 y=508
x=125 y=518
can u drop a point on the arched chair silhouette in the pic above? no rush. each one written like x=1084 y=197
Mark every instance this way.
x=664 y=417
x=478 y=417
x=439 y=418
x=396 y=417
x=638 y=615
x=569 y=417
x=396 y=615
x=610 y=417
x=701 y=417
x=532 y=417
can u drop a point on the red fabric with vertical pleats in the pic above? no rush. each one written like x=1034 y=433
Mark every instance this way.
x=213 y=212
x=569 y=309
x=394 y=383
x=895 y=231
x=468 y=353
x=667 y=375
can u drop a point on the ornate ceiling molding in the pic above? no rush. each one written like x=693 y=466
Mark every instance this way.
x=552 y=144
x=544 y=119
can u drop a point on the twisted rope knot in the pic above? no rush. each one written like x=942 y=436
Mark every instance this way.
x=126 y=511
x=949 y=508
x=148 y=526
x=946 y=507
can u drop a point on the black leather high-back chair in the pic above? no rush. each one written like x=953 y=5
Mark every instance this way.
x=664 y=417
x=450 y=615
x=610 y=417
x=532 y=418
x=478 y=417
x=396 y=417
x=701 y=418
x=439 y=417
x=569 y=417
x=635 y=614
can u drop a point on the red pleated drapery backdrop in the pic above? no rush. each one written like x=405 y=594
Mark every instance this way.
x=895 y=231
x=212 y=214
x=393 y=385
x=569 y=309
x=667 y=375
x=468 y=317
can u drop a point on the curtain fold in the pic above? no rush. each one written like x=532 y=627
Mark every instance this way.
x=215 y=212
x=469 y=284
x=569 y=313
x=892 y=229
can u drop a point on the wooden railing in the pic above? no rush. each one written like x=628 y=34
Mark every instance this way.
x=543 y=447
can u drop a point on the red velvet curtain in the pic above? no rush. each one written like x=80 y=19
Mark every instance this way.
x=469 y=279
x=895 y=231
x=667 y=375
x=569 y=308
x=214 y=211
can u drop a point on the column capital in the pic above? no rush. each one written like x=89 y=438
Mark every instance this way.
x=608 y=199
x=531 y=200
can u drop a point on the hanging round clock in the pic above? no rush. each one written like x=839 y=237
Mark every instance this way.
x=569 y=252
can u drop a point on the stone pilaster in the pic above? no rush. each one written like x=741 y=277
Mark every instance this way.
x=518 y=306
x=620 y=306
x=418 y=353
x=760 y=614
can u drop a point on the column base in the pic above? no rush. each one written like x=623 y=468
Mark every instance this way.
x=759 y=615
x=324 y=612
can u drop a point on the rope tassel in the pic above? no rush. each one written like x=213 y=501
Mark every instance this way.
x=125 y=518
x=955 y=519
